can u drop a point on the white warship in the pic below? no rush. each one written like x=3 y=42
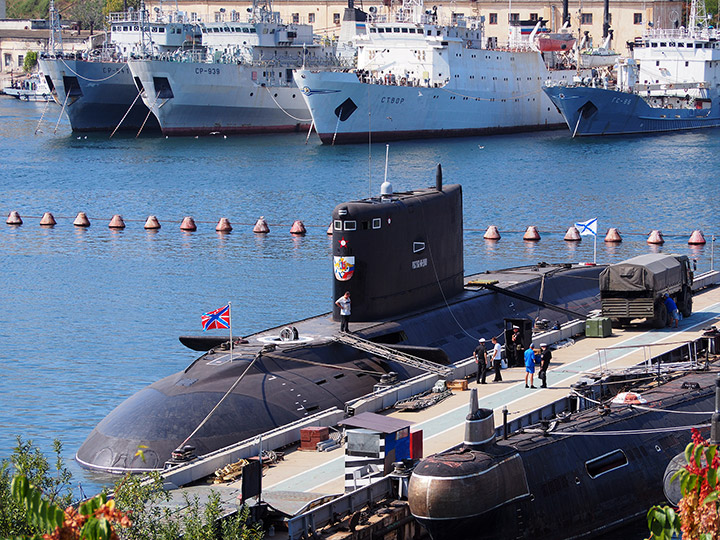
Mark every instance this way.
x=241 y=83
x=418 y=78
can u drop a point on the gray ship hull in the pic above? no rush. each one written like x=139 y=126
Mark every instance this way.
x=202 y=99
x=97 y=96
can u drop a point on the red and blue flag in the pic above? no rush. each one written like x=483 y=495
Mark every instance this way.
x=220 y=318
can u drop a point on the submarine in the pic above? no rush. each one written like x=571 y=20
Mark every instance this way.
x=400 y=255
x=581 y=474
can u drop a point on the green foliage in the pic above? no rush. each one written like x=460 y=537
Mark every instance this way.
x=27 y=9
x=27 y=460
x=663 y=523
x=30 y=61
x=41 y=514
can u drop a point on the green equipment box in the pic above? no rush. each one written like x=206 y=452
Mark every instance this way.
x=600 y=327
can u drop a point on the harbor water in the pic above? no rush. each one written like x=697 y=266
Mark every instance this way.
x=90 y=316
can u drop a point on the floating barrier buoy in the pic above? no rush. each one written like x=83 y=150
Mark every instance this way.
x=117 y=222
x=697 y=238
x=492 y=233
x=298 y=228
x=655 y=237
x=261 y=227
x=81 y=220
x=330 y=229
x=223 y=225
x=613 y=236
x=572 y=235
x=152 y=223
x=188 y=224
x=48 y=220
x=14 y=218
x=531 y=234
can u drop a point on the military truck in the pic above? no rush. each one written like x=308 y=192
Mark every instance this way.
x=635 y=288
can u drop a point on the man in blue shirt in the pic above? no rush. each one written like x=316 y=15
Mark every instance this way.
x=529 y=366
x=672 y=310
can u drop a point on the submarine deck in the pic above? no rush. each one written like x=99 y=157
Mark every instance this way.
x=443 y=424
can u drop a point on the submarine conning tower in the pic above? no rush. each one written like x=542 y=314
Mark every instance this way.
x=479 y=424
x=398 y=252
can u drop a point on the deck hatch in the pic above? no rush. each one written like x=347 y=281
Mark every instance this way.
x=606 y=463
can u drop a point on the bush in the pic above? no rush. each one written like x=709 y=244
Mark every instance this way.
x=30 y=61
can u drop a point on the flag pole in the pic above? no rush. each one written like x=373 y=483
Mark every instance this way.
x=231 y=340
x=595 y=248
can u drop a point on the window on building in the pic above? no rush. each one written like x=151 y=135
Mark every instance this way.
x=514 y=17
x=493 y=18
x=311 y=18
x=218 y=16
x=295 y=18
x=8 y=60
x=336 y=18
x=637 y=18
x=193 y=16
x=534 y=17
x=586 y=18
x=21 y=59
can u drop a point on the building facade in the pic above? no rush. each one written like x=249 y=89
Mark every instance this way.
x=628 y=18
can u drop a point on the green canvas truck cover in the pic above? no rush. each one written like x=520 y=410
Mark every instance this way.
x=651 y=272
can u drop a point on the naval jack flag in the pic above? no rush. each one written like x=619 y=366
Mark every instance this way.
x=589 y=227
x=218 y=319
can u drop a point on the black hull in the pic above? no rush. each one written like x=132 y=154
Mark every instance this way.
x=564 y=500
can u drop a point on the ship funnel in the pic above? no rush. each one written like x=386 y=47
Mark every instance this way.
x=438 y=178
x=479 y=424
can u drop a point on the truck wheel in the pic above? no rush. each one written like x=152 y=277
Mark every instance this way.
x=660 y=320
x=686 y=308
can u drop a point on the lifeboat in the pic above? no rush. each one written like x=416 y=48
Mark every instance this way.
x=555 y=42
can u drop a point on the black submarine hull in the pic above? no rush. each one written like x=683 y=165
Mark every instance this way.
x=400 y=255
x=558 y=487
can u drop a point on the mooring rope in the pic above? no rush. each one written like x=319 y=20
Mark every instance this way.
x=283 y=110
x=91 y=80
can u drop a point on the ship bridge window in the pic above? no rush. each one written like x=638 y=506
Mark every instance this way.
x=376 y=223
x=404 y=30
x=606 y=463
x=412 y=30
x=337 y=225
x=350 y=225
x=681 y=44
x=663 y=44
x=381 y=30
x=698 y=45
x=252 y=30
x=372 y=30
x=396 y=30
x=653 y=44
x=162 y=30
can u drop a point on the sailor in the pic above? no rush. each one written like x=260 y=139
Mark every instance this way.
x=344 y=304
x=545 y=357
x=480 y=355
x=672 y=311
x=514 y=352
x=529 y=366
x=496 y=354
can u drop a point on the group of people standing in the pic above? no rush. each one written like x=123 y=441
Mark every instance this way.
x=487 y=360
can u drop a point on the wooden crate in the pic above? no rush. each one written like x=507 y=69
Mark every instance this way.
x=458 y=384
x=310 y=436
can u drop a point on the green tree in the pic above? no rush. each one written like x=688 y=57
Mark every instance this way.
x=30 y=61
x=88 y=13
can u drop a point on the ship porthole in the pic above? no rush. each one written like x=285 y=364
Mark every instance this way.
x=532 y=498
x=561 y=96
x=657 y=448
x=577 y=481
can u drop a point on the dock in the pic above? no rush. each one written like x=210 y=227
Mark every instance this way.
x=302 y=477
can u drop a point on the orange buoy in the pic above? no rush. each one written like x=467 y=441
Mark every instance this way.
x=572 y=235
x=152 y=223
x=117 y=222
x=697 y=238
x=14 y=218
x=298 y=228
x=81 y=220
x=188 y=224
x=531 y=234
x=492 y=233
x=655 y=237
x=223 y=225
x=330 y=229
x=48 y=220
x=261 y=227
x=613 y=236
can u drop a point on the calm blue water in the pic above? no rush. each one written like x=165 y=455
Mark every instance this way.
x=88 y=317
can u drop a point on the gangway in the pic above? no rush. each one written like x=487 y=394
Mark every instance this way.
x=389 y=353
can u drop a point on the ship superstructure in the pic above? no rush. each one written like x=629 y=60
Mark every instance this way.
x=417 y=77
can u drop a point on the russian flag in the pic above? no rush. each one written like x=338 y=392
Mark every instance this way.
x=220 y=318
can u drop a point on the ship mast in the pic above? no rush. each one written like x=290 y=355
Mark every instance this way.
x=55 y=43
